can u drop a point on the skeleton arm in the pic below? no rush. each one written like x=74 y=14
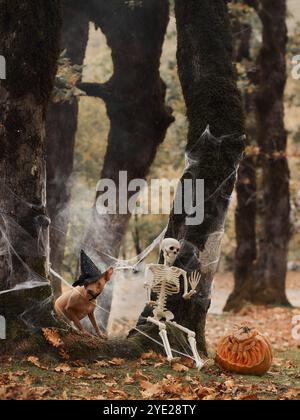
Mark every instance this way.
x=193 y=280
x=148 y=282
x=186 y=289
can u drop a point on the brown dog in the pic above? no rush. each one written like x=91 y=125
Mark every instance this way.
x=80 y=302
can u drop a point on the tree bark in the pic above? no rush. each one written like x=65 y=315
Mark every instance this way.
x=269 y=287
x=61 y=131
x=29 y=33
x=208 y=78
x=135 y=101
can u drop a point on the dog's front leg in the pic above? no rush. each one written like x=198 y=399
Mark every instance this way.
x=95 y=325
x=73 y=317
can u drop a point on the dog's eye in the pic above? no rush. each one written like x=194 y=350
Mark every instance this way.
x=172 y=248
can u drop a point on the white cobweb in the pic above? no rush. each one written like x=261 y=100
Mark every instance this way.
x=16 y=244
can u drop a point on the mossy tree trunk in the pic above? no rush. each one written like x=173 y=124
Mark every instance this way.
x=135 y=101
x=269 y=287
x=208 y=78
x=61 y=131
x=29 y=33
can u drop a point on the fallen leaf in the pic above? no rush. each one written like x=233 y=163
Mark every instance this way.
x=211 y=397
x=229 y=385
x=98 y=376
x=80 y=373
x=122 y=394
x=116 y=362
x=63 y=368
x=101 y=363
x=204 y=392
x=149 y=355
x=110 y=384
x=35 y=361
x=129 y=380
x=52 y=336
x=150 y=390
x=178 y=367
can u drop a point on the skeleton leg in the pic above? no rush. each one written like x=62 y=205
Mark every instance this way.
x=163 y=334
x=192 y=340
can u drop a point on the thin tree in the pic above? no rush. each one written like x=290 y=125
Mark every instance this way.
x=246 y=187
x=29 y=33
x=268 y=286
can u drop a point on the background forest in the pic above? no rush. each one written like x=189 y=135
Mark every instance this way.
x=93 y=129
x=131 y=85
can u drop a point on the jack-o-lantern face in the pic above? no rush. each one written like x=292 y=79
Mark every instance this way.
x=246 y=351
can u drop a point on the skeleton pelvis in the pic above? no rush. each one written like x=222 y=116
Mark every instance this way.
x=160 y=314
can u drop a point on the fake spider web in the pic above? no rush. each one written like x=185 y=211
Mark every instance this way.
x=16 y=244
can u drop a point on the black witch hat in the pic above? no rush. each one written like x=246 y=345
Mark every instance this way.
x=89 y=272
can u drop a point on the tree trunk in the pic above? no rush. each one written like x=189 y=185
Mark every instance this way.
x=246 y=188
x=60 y=139
x=29 y=33
x=269 y=287
x=208 y=80
x=245 y=226
x=135 y=101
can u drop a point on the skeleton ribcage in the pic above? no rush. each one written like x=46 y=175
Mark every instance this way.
x=167 y=278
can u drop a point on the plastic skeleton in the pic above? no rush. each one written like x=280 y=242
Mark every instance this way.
x=164 y=280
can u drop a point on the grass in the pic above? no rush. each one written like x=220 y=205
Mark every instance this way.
x=81 y=382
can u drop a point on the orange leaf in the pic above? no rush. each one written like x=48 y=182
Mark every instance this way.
x=178 y=367
x=102 y=363
x=150 y=390
x=52 y=336
x=63 y=368
x=129 y=380
x=35 y=361
x=116 y=362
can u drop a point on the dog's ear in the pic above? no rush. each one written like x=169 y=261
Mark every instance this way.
x=109 y=273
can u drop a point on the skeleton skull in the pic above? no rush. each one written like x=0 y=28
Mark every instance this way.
x=170 y=248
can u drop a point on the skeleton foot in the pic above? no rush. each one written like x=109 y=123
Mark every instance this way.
x=164 y=336
x=192 y=341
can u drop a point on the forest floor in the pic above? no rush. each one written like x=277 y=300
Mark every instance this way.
x=151 y=377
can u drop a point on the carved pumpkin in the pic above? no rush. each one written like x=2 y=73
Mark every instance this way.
x=246 y=351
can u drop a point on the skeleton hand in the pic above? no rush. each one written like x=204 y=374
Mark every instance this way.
x=194 y=280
